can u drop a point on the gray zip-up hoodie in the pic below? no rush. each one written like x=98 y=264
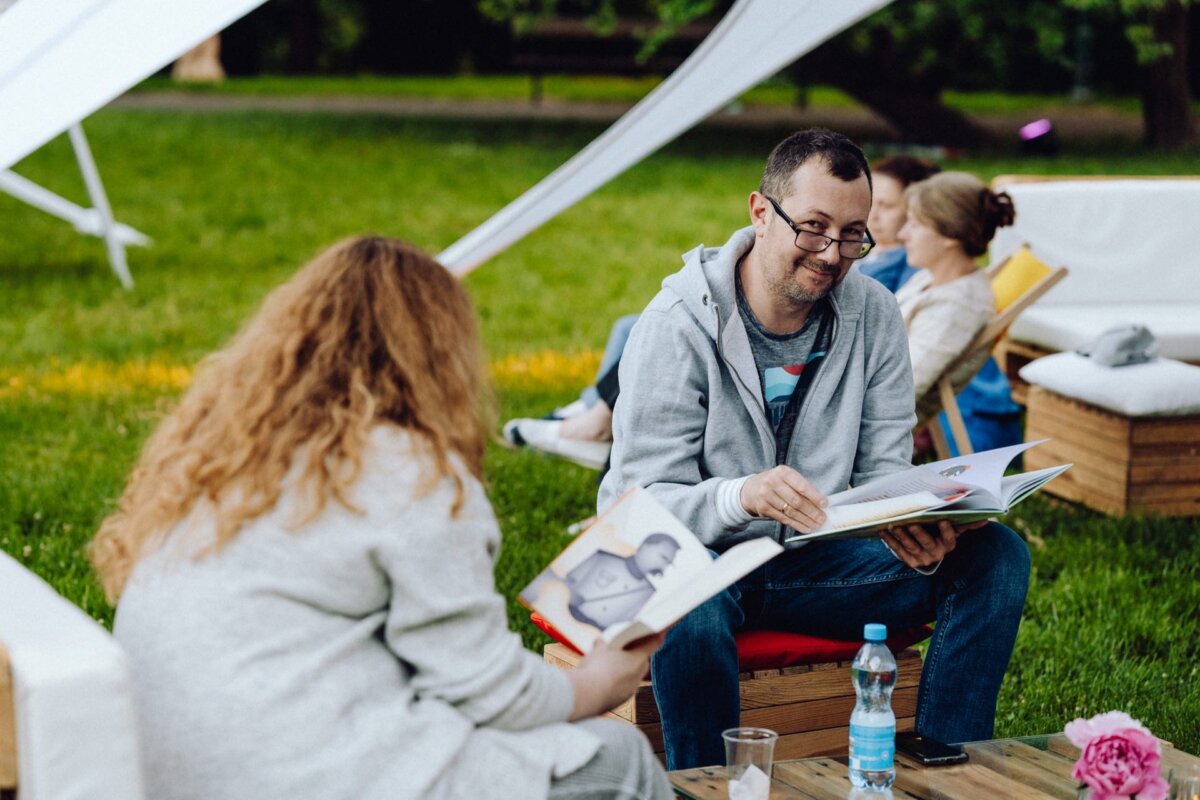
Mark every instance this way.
x=691 y=418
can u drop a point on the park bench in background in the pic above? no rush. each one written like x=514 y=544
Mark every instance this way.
x=1132 y=433
x=1125 y=242
x=572 y=46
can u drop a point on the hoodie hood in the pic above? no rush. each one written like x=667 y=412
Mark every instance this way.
x=705 y=285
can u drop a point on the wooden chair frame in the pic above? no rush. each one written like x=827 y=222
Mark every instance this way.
x=986 y=338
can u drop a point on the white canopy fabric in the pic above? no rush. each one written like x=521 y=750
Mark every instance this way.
x=60 y=60
x=755 y=40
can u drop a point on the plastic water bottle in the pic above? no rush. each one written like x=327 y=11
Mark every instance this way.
x=873 y=725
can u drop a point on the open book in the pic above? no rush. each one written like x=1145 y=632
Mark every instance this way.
x=962 y=489
x=633 y=572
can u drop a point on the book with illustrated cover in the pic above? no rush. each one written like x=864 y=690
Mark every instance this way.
x=635 y=571
x=961 y=489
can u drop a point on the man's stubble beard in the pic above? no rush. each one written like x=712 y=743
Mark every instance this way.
x=785 y=286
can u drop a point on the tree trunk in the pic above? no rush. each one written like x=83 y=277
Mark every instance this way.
x=1166 y=100
x=882 y=79
x=201 y=64
x=921 y=119
x=304 y=38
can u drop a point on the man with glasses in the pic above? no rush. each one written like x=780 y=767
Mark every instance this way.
x=765 y=375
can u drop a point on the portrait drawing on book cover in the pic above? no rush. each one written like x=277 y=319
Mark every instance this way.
x=607 y=588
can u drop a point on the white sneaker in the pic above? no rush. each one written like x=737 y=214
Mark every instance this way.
x=543 y=434
x=572 y=409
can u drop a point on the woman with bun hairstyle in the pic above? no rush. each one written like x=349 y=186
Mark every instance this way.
x=952 y=218
x=304 y=560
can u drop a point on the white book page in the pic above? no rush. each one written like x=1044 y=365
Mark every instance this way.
x=1018 y=487
x=899 y=484
x=856 y=515
x=983 y=471
x=669 y=605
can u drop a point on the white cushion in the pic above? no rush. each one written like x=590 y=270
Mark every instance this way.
x=1176 y=326
x=1122 y=240
x=73 y=698
x=1160 y=387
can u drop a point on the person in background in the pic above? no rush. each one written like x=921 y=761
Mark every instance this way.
x=991 y=417
x=304 y=560
x=886 y=262
x=580 y=431
x=952 y=218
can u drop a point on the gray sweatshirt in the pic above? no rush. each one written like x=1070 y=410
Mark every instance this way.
x=691 y=417
x=357 y=655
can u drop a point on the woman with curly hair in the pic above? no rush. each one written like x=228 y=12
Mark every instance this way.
x=304 y=559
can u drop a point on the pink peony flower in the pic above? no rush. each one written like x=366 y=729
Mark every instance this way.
x=1121 y=759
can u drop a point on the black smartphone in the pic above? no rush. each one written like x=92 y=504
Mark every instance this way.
x=929 y=752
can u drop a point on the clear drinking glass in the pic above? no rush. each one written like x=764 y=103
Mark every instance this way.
x=749 y=756
x=1185 y=783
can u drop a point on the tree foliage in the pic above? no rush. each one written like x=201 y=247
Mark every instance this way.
x=669 y=15
x=899 y=59
x=1137 y=18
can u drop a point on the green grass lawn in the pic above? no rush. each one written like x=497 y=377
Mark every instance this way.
x=236 y=202
x=598 y=89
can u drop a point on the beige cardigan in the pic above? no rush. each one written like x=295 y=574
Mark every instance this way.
x=941 y=321
x=358 y=656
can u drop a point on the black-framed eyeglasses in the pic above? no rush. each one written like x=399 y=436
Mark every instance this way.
x=813 y=242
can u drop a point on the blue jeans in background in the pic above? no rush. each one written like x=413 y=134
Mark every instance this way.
x=832 y=589
x=617 y=337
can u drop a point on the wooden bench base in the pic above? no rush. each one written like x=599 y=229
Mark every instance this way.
x=1010 y=356
x=1122 y=464
x=808 y=705
x=8 y=730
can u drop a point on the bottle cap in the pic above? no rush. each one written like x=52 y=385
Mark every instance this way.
x=875 y=632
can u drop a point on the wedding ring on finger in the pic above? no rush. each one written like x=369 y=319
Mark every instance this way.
x=786 y=508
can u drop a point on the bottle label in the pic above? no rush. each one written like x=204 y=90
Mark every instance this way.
x=872 y=747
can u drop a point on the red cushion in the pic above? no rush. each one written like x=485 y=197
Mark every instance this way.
x=776 y=649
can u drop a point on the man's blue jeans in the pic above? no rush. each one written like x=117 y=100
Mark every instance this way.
x=831 y=589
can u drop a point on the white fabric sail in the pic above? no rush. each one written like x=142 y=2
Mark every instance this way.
x=60 y=60
x=755 y=40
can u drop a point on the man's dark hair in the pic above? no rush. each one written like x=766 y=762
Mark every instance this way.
x=843 y=157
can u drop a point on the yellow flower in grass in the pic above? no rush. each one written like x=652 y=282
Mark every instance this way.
x=95 y=379
x=548 y=370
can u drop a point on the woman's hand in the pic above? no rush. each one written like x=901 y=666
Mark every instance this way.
x=609 y=676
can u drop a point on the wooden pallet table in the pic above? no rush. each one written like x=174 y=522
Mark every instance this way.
x=1029 y=768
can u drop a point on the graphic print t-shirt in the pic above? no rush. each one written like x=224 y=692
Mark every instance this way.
x=782 y=359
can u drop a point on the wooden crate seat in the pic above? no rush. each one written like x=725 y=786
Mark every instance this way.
x=1121 y=464
x=808 y=705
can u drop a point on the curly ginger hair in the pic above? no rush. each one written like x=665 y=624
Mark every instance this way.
x=371 y=331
